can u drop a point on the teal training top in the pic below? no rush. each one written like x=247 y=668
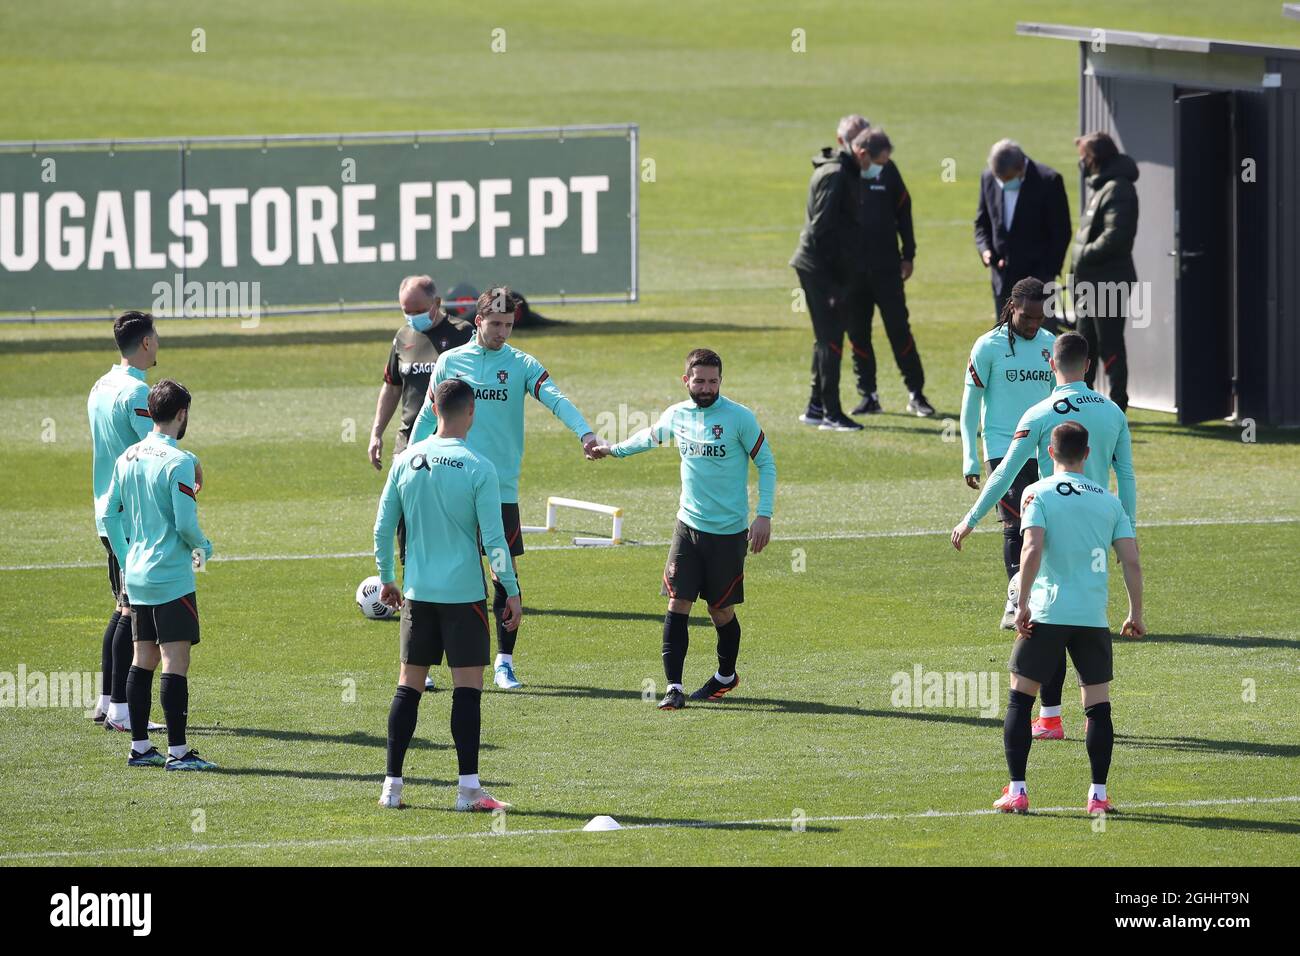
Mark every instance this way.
x=151 y=502
x=1108 y=441
x=1080 y=522
x=118 y=408
x=1002 y=380
x=716 y=444
x=448 y=495
x=500 y=380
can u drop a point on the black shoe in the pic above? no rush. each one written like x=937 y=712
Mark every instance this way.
x=868 y=406
x=714 y=689
x=839 y=423
x=813 y=416
x=919 y=406
x=673 y=700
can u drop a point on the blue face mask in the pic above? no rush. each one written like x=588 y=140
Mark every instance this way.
x=872 y=171
x=421 y=323
x=1011 y=186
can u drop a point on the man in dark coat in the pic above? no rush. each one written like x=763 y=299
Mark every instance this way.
x=815 y=263
x=1101 y=259
x=1022 y=227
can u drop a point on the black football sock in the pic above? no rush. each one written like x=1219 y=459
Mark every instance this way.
x=402 y=716
x=123 y=652
x=1016 y=733
x=728 y=647
x=676 y=640
x=139 y=697
x=466 y=723
x=1012 y=542
x=1099 y=740
x=106 y=656
x=505 y=638
x=1050 y=695
x=174 y=693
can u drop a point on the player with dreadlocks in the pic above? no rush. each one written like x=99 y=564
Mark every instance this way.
x=1008 y=372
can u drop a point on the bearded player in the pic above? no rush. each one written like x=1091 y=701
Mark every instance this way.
x=717 y=438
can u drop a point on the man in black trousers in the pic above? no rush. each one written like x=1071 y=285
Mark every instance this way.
x=855 y=325
x=879 y=248
x=818 y=262
x=1022 y=228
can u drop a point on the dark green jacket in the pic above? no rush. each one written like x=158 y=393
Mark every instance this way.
x=1103 y=247
x=818 y=246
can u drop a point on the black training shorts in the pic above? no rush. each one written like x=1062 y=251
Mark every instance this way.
x=707 y=565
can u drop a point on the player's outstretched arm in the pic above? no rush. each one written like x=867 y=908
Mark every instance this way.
x=1023 y=444
x=185 y=506
x=545 y=391
x=113 y=529
x=386 y=518
x=651 y=437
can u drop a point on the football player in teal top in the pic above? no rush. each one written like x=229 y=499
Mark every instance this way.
x=152 y=522
x=1008 y=372
x=501 y=376
x=118 y=408
x=1070 y=525
x=716 y=438
x=449 y=496
x=1111 y=449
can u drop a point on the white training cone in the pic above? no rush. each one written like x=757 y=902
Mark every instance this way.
x=602 y=823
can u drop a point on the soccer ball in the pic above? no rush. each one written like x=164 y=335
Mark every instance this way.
x=1013 y=589
x=368 y=599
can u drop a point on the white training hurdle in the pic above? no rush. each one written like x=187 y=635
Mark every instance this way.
x=553 y=504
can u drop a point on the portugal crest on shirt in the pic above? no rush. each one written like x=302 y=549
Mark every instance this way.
x=502 y=375
x=717 y=431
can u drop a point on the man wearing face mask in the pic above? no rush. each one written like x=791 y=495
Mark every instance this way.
x=427 y=332
x=878 y=250
x=1022 y=227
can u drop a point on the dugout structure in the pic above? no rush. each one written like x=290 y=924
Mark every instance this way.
x=1214 y=126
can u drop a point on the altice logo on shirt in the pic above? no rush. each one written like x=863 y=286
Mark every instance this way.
x=76 y=909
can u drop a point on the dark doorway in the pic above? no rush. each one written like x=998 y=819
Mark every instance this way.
x=1204 y=249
